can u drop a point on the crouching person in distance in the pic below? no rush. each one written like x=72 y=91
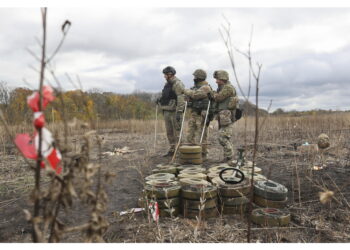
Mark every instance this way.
x=172 y=103
x=226 y=103
x=198 y=99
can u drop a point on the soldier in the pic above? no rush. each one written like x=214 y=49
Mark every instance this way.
x=226 y=103
x=172 y=103
x=199 y=100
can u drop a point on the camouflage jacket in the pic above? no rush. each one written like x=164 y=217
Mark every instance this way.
x=177 y=105
x=201 y=92
x=226 y=97
x=226 y=102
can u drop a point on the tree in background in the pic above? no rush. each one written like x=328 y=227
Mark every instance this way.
x=81 y=105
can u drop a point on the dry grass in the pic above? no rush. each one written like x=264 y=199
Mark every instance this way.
x=133 y=126
x=77 y=127
x=278 y=126
x=311 y=222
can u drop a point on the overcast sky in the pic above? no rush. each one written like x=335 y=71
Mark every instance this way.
x=305 y=52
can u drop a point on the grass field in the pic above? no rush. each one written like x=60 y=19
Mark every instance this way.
x=278 y=156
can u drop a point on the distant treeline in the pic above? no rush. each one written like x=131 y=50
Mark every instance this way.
x=82 y=105
x=282 y=112
x=105 y=106
x=88 y=105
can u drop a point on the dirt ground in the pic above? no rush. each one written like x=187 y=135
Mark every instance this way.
x=311 y=221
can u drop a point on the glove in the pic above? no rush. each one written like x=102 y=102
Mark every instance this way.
x=157 y=101
x=211 y=96
x=178 y=116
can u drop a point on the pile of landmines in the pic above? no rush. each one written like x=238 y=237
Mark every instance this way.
x=195 y=191
x=165 y=190
x=190 y=154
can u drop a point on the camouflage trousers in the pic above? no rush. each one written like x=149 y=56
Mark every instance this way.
x=195 y=126
x=225 y=133
x=172 y=128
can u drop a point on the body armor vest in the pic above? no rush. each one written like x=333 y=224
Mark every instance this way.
x=167 y=94
x=202 y=104
x=226 y=104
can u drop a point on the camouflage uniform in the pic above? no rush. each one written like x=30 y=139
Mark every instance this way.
x=198 y=94
x=226 y=99
x=173 y=108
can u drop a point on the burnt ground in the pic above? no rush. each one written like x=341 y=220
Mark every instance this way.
x=311 y=221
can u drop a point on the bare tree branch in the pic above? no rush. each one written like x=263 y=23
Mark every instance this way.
x=256 y=75
x=71 y=81
x=64 y=118
x=265 y=118
x=67 y=23
x=33 y=68
x=33 y=54
x=36 y=236
x=228 y=44
x=80 y=85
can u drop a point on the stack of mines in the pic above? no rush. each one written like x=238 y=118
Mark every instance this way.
x=199 y=199
x=190 y=155
x=163 y=189
x=233 y=198
x=268 y=193
x=272 y=196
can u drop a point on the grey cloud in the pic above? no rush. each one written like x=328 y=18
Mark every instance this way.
x=286 y=18
x=130 y=39
x=310 y=71
x=152 y=80
x=142 y=43
x=307 y=81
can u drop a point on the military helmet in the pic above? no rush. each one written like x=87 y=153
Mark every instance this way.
x=199 y=74
x=169 y=70
x=221 y=75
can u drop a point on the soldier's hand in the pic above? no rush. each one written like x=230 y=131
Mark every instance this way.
x=211 y=95
x=157 y=100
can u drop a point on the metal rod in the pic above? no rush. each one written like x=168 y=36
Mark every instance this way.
x=205 y=123
x=180 y=136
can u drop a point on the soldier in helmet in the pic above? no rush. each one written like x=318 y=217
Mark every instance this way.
x=226 y=103
x=198 y=96
x=172 y=103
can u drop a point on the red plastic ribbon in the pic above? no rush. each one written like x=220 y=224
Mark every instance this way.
x=33 y=99
x=54 y=159
x=26 y=146
x=25 y=143
x=153 y=207
x=39 y=120
x=29 y=149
